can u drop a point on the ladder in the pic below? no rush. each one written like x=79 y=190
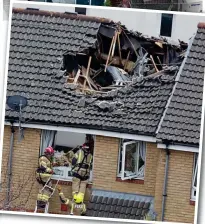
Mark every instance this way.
x=53 y=190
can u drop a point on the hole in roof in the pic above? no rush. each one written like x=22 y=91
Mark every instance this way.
x=116 y=57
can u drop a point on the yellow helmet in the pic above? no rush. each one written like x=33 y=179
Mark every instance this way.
x=78 y=198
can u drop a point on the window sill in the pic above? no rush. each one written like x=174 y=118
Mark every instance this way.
x=192 y=202
x=134 y=181
x=69 y=183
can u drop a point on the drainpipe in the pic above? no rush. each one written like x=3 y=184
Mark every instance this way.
x=165 y=180
x=10 y=165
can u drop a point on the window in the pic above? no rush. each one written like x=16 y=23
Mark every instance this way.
x=131 y=163
x=80 y=10
x=62 y=143
x=194 y=179
x=166 y=25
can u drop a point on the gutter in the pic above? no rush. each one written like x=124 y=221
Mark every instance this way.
x=10 y=166
x=185 y=148
x=165 y=180
x=88 y=131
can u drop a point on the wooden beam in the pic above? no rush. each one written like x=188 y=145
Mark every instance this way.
x=128 y=65
x=76 y=77
x=87 y=72
x=114 y=43
x=159 y=60
x=108 y=58
x=128 y=55
x=154 y=63
x=119 y=48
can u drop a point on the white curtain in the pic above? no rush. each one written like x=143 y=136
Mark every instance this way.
x=47 y=139
x=142 y=150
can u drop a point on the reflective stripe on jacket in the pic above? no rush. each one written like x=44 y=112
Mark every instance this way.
x=79 y=159
x=45 y=164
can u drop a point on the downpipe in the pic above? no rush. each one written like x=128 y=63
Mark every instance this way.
x=10 y=166
x=165 y=180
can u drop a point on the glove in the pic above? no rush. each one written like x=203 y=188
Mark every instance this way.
x=59 y=188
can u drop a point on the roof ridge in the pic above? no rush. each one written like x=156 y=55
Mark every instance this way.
x=62 y=15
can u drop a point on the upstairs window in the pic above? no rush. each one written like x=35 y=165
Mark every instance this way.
x=62 y=143
x=194 y=178
x=131 y=163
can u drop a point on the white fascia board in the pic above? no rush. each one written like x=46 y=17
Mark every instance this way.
x=179 y=148
x=88 y=131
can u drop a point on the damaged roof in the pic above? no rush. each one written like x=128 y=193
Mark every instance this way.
x=37 y=43
x=182 y=120
x=39 y=40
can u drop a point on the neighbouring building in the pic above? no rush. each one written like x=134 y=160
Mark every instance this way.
x=146 y=133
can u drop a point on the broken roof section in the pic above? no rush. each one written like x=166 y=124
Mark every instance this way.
x=48 y=48
x=95 y=54
x=182 y=120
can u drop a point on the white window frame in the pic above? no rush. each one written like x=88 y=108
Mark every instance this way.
x=194 y=177
x=65 y=170
x=65 y=177
x=122 y=149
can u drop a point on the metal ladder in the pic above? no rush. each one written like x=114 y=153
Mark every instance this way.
x=53 y=190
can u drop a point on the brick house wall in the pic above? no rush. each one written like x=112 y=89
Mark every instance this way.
x=106 y=163
x=25 y=160
x=178 y=207
x=179 y=187
x=24 y=164
x=178 y=204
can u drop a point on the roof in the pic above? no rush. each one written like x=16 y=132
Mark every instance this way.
x=119 y=205
x=38 y=41
x=182 y=120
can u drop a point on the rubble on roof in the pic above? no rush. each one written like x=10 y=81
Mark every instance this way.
x=49 y=65
x=119 y=58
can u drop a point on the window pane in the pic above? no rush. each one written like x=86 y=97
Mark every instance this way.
x=195 y=169
x=195 y=181
x=131 y=159
x=141 y=162
x=166 y=25
x=142 y=153
x=59 y=172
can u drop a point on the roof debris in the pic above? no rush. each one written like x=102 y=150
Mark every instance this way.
x=119 y=58
x=48 y=63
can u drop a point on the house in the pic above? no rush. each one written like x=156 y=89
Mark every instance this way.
x=154 y=119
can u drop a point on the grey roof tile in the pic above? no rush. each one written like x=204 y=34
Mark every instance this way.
x=182 y=121
x=123 y=208
x=37 y=45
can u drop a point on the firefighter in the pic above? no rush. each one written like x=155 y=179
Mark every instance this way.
x=76 y=206
x=43 y=177
x=82 y=163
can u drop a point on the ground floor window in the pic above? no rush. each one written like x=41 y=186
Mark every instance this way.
x=194 y=178
x=131 y=162
x=62 y=142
